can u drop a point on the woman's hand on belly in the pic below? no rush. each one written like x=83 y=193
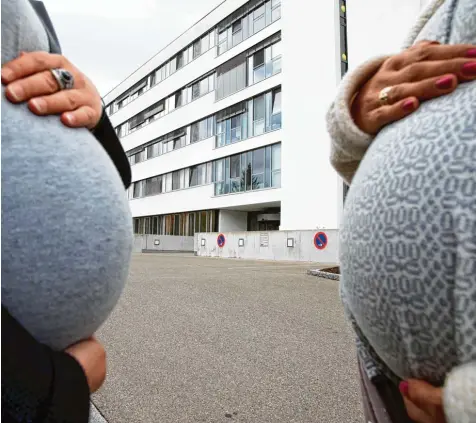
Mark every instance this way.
x=29 y=78
x=422 y=72
x=424 y=402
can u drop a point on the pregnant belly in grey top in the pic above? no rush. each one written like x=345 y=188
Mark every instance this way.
x=66 y=227
x=408 y=240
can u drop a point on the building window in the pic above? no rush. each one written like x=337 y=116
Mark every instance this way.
x=222 y=42
x=205 y=43
x=202 y=87
x=236 y=74
x=275 y=10
x=173 y=65
x=257 y=175
x=152 y=79
x=153 y=185
x=177 y=224
x=258 y=19
x=251 y=118
x=252 y=170
x=137 y=189
x=258 y=66
x=212 y=38
x=231 y=77
x=153 y=150
x=276 y=110
x=141 y=118
x=245 y=22
x=177 y=62
x=258 y=115
x=177 y=180
x=276 y=165
x=195 y=90
x=139 y=157
x=180 y=60
x=197 y=49
x=235 y=173
x=198 y=175
x=168 y=182
x=236 y=128
x=237 y=33
x=233 y=124
x=159 y=109
x=202 y=129
x=179 y=99
x=276 y=58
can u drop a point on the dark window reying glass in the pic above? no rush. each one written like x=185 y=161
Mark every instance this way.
x=236 y=26
x=180 y=60
x=258 y=58
x=176 y=180
x=252 y=170
x=197 y=49
x=137 y=189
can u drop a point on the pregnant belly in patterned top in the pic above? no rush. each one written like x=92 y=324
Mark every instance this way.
x=408 y=240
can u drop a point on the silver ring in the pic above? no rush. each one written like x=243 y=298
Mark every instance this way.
x=64 y=78
x=383 y=95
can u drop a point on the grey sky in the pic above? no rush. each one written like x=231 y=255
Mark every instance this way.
x=108 y=39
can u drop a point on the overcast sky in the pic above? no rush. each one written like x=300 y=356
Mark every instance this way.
x=108 y=39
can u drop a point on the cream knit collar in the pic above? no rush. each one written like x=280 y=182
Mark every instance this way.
x=429 y=10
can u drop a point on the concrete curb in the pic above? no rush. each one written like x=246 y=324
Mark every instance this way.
x=144 y=251
x=322 y=274
x=95 y=415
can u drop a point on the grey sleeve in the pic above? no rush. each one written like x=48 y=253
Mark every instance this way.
x=348 y=142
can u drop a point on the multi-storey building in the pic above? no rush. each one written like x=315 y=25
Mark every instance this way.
x=225 y=126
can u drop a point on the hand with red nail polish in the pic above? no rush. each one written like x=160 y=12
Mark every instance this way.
x=424 y=402
x=424 y=71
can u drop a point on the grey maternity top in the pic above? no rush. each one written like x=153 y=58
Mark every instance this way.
x=408 y=240
x=66 y=224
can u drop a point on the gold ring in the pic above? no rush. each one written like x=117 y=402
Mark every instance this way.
x=383 y=95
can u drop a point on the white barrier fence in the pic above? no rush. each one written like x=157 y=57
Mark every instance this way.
x=162 y=243
x=319 y=246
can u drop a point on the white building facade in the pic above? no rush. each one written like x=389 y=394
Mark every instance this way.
x=225 y=127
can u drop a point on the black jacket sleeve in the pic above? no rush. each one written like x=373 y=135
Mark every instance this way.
x=105 y=134
x=39 y=384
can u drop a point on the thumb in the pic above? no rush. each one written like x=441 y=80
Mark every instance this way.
x=422 y=394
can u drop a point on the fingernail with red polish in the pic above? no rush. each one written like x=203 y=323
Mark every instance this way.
x=408 y=105
x=469 y=68
x=444 y=83
x=69 y=118
x=38 y=104
x=403 y=387
x=471 y=52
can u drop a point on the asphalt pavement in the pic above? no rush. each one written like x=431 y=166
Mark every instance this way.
x=213 y=340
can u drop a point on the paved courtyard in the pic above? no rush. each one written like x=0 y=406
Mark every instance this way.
x=213 y=340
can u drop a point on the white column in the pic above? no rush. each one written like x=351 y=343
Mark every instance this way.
x=309 y=184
